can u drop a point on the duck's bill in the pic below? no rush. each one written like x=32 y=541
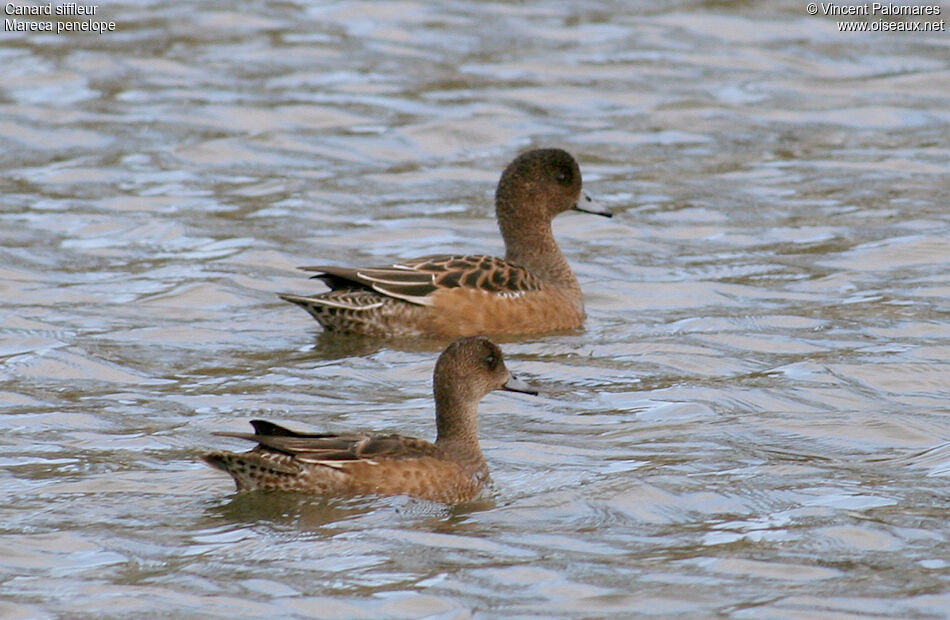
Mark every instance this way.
x=514 y=384
x=589 y=205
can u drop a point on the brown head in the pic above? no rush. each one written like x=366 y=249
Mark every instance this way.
x=467 y=370
x=538 y=184
x=533 y=189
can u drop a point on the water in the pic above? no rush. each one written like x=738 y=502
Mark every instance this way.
x=753 y=423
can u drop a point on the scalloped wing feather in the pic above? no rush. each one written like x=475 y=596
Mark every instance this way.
x=334 y=450
x=416 y=280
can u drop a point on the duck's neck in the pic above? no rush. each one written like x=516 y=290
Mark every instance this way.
x=457 y=423
x=530 y=244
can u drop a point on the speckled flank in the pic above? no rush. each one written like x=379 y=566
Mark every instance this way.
x=456 y=312
x=387 y=316
x=381 y=476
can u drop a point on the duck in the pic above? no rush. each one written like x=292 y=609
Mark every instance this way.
x=450 y=470
x=531 y=290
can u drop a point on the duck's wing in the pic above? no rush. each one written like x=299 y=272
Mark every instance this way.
x=334 y=450
x=418 y=279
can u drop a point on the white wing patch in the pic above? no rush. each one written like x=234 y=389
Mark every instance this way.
x=510 y=294
x=323 y=301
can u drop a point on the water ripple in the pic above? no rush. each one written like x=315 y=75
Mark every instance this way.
x=752 y=421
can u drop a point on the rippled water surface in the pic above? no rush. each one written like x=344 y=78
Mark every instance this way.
x=753 y=423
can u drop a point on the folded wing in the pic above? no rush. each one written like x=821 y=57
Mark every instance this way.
x=416 y=280
x=334 y=450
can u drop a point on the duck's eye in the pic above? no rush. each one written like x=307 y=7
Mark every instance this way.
x=564 y=175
